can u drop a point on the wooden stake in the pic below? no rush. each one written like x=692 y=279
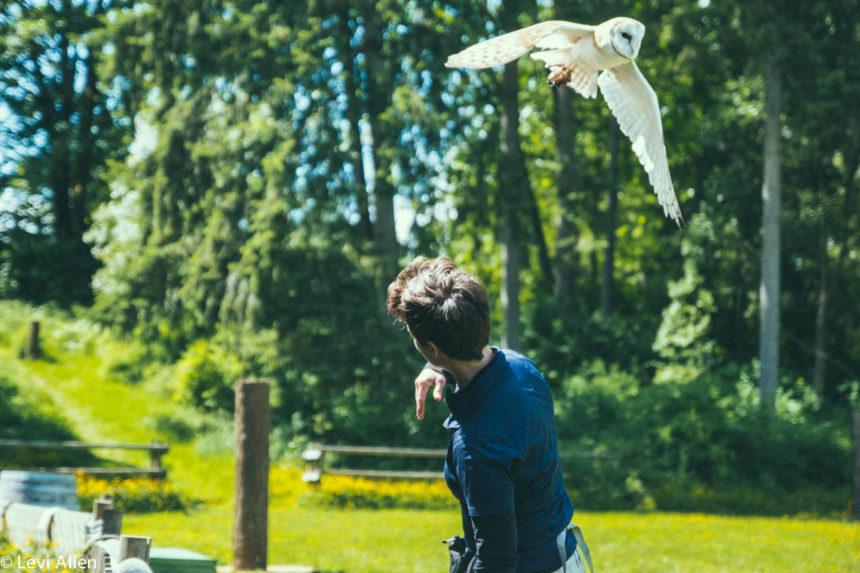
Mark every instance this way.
x=34 y=349
x=250 y=527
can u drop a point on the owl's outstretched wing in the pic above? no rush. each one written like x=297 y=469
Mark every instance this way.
x=634 y=105
x=508 y=47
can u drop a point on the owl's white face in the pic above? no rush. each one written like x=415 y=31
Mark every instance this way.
x=627 y=38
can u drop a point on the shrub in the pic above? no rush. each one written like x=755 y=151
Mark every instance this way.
x=138 y=495
x=705 y=435
x=205 y=377
x=174 y=427
x=358 y=493
x=128 y=365
x=754 y=501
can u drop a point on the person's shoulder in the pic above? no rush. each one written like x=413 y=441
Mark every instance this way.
x=521 y=364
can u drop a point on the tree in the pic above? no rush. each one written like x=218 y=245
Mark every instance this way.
x=514 y=189
x=512 y=180
x=62 y=136
x=607 y=285
x=769 y=291
x=568 y=198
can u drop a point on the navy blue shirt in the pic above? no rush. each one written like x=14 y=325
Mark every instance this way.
x=503 y=467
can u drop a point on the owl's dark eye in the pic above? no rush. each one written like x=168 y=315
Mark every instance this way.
x=626 y=36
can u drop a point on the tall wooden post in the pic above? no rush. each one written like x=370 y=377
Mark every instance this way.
x=856 y=465
x=34 y=349
x=250 y=527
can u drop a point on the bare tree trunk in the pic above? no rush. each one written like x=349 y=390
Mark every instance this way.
x=607 y=286
x=820 y=372
x=770 y=259
x=540 y=237
x=567 y=232
x=353 y=114
x=379 y=97
x=510 y=295
x=512 y=181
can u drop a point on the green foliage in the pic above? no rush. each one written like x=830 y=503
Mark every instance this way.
x=708 y=433
x=55 y=148
x=808 y=501
x=205 y=376
x=247 y=174
x=174 y=428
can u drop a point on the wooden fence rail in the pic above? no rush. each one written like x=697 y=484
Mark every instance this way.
x=314 y=456
x=156 y=450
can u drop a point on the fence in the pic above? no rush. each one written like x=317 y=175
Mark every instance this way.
x=155 y=448
x=315 y=453
x=314 y=458
x=95 y=536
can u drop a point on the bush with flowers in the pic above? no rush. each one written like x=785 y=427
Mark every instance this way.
x=360 y=493
x=136 y=495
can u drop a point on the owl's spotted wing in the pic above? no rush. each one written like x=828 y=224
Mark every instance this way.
x=508 y=47
x=634 y=105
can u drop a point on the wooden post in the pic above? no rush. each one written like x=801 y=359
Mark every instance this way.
x=856 y=512
x=111 y=517
x=155 y=456
x=111 y=521
x=250 y=527
x=131 y=547
x=34 y=349
x=100 y=505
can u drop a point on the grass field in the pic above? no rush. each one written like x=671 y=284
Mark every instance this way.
x=358 y=541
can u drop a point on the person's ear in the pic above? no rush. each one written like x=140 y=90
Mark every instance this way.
x=433 y=350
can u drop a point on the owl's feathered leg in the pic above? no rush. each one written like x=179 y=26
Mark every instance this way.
x=558 y=75
x=580 y=80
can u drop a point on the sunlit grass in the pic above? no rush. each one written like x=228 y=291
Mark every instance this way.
x=97 y=407
x=400 y=540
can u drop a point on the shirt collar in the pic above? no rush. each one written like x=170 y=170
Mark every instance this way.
x=463 y=401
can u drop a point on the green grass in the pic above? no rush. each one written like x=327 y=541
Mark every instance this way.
x=100 y=408
x=396 y=540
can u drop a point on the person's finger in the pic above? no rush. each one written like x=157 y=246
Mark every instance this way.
x=440 y=386
x=421 y=389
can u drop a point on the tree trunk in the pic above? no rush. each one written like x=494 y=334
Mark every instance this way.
x=607 y=285
x=769 y=289
x=820 y=372
x=353 y=113
x=540 y=238
x=513 y=182
x=379 y=97
x=566 y=233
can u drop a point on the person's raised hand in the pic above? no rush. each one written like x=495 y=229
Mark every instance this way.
x=427 y=379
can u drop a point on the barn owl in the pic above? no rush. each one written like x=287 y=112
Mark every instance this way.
x=585 y=58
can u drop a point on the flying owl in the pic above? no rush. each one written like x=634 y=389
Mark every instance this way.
x=585 y=57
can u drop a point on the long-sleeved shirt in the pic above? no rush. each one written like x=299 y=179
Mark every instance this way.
x=503 y=467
